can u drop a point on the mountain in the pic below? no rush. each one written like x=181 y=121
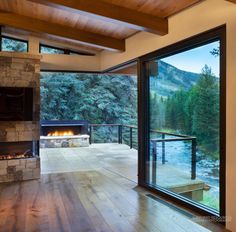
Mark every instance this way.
x=170 y=79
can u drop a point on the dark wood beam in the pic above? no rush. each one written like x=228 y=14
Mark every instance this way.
x=112 y=13
x=44 y=27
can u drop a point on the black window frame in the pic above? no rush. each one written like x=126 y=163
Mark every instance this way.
x=64 y=50
x=50 y=47
x=13 y=38
x=204 y=38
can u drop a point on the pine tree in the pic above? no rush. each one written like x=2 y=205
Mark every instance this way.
x=206 y=111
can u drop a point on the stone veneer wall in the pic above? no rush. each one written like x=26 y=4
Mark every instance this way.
x=20 y=70
x=19 y=169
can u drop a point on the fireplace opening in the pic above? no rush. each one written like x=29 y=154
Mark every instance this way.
x=64 y=128
x=16 y=104
x=61 y=133
x=18 y=150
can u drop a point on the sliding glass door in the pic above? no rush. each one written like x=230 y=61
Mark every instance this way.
x=185 y=135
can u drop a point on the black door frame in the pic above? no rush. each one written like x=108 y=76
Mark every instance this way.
x=218 y=33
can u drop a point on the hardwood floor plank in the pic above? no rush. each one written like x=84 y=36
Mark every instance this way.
x=38 y=211
x=107 y=209
x=95 y=216
x=76 y=213
x=58 y=220
x=11 y=211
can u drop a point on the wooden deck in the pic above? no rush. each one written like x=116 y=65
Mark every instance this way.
x=82 y=191
x=117 y=158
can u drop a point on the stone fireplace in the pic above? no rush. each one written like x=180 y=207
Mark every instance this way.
x=19 y=116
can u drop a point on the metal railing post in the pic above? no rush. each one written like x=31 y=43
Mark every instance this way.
x=120 y=134
x=163 y=149
x=90 y=134
x=194 y=159
x=131 y=137
x=154 y=160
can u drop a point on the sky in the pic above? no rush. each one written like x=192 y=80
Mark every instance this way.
x=194 y=60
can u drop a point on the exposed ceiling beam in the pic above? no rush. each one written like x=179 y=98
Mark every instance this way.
x=40 y=26
x=112 y=13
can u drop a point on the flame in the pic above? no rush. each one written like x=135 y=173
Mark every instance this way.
x=16 y=156
x=61 y=133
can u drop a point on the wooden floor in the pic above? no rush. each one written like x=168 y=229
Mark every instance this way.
x=94 y=199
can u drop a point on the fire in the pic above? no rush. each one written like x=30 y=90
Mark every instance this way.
x=17 y=155
x=61 y=133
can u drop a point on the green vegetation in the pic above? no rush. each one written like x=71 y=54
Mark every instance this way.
x=13 y=45
x=210 y=200
x=193 y=111
x=96 y=98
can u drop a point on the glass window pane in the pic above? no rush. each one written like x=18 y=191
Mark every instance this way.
x=50 y=50
x=184 y=124
x=13 y=45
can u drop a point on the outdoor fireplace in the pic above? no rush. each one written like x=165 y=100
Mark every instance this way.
x=56 y=134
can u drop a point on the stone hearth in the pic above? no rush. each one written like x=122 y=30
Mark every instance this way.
x=64 y=141
x=21 y=70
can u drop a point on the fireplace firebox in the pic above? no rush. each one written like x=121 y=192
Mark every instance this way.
x=64 y=128
x=16 y=104
x=19 y=150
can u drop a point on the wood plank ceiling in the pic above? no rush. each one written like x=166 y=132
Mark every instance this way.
x=85 y=24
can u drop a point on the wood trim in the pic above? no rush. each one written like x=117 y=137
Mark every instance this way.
x=112 y=13
x=120 y=66
x=233 y=1
x=40 y=26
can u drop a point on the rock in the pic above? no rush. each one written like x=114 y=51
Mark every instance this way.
x=65 y=144
x=206 y=187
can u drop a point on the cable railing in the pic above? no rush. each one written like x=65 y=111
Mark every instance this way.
x=163 y=140
x=121 y=135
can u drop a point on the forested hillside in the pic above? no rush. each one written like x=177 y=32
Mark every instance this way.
x=170 y=79
x=193 y=109
x=104 y=98
x=96 y=98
